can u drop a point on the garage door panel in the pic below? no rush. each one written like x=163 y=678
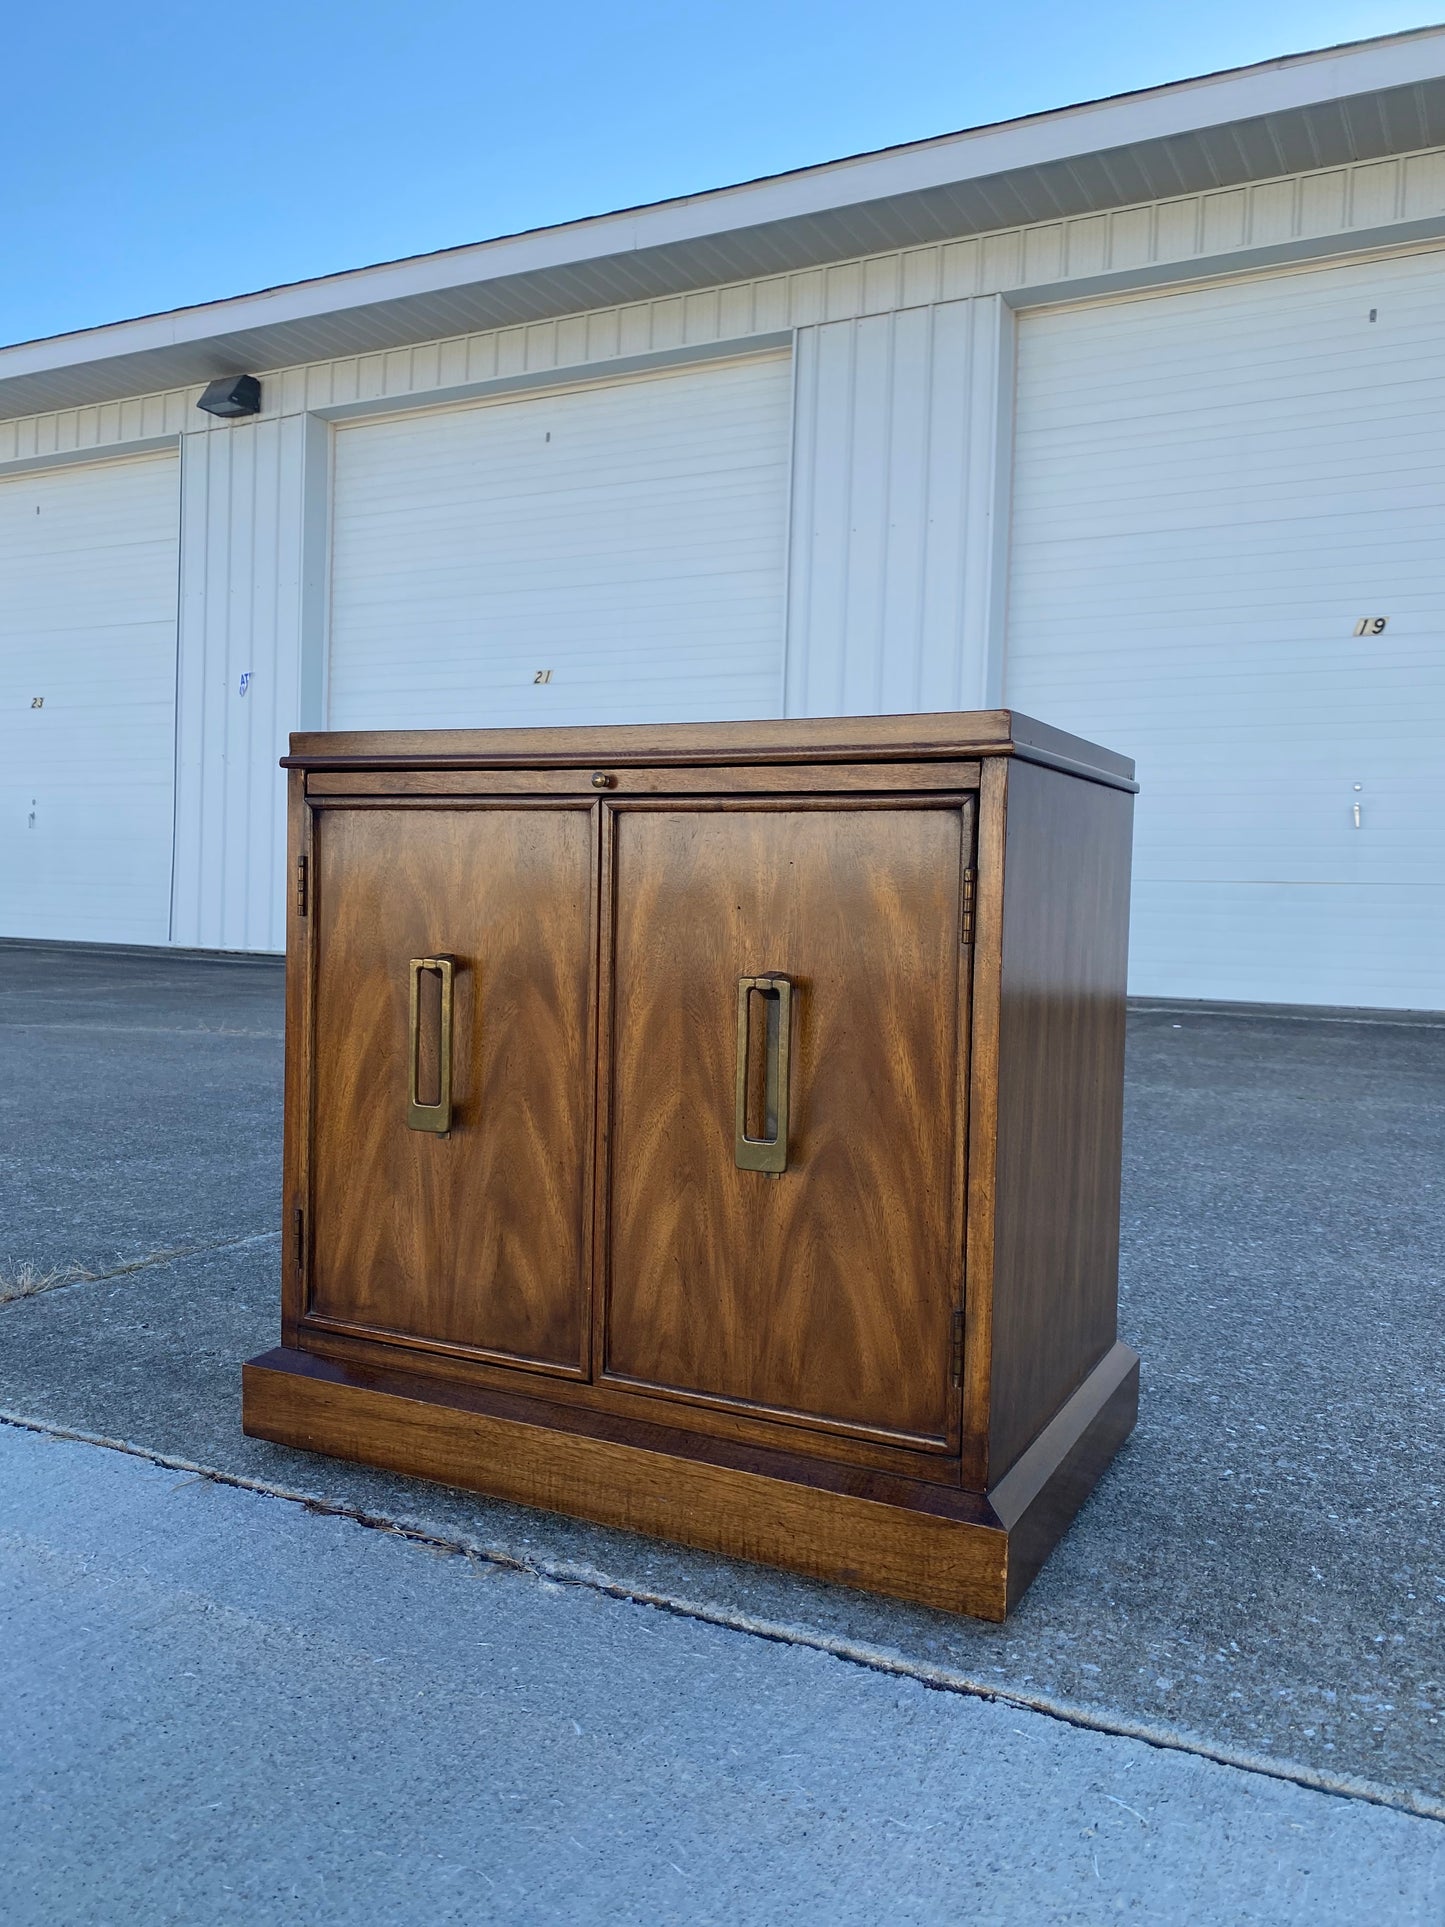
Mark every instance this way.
x=1211 y=489
x=88 y=591
x=80 y=588
x=627 y=538
x=1257 y=513
x=1198 y=940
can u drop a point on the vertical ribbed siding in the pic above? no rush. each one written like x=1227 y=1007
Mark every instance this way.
x=896 y=512
x=241 y=608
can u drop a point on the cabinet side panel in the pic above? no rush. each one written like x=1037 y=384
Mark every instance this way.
x=1060 y=1098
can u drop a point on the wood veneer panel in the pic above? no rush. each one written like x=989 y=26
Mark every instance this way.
x=1060 y=1097
x=1038 y=1497
x=983 y=1124
x=579 y=1403
x=764 y=778
x=828 y=1289
x=296 y=1104
x=1041 y=743
x=844 y=739
x=477 y=1239
x=922 y=1556
x=938 y=1546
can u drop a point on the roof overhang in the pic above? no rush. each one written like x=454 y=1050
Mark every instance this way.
x=1365 y=101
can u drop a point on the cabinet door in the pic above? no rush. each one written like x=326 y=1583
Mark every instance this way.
x=826 y=1292
x=474 y=1238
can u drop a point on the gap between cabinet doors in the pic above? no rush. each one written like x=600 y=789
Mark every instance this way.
x=587 y=1386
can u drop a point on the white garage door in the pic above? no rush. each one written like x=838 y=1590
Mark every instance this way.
x=88 y=570
x=606 y=554
x=1212 y=490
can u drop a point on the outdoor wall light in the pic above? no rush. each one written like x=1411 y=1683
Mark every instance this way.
x=232 y=395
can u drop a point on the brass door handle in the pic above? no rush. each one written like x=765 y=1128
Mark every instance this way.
x=770 y=1151
x=430 y=1114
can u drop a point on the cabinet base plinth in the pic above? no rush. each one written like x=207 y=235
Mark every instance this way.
x=930 y=1544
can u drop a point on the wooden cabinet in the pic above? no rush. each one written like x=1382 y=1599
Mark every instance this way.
x=715 y=1131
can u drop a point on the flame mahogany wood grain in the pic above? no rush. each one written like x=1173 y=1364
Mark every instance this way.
x=477 y=1239
x=826 y=1290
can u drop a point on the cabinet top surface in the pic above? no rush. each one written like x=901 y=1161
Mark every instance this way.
x=827 y=739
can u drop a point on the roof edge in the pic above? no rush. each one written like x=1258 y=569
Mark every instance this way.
x=1169 y=110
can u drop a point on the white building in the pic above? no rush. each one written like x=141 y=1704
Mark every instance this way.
x=1130 y=416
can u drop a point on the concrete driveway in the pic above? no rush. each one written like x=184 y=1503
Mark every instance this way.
x=255 y=1685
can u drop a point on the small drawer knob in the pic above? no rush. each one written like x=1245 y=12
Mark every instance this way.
x=602 y=781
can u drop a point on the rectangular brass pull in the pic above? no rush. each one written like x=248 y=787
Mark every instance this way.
x=435 y=1114
x=769 y=1152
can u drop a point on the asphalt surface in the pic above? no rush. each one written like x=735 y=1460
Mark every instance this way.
x=140 y=1108
x=1260 y=1576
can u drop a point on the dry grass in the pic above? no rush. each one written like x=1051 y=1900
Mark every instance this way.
x=25 y=1280
x=20 y=1278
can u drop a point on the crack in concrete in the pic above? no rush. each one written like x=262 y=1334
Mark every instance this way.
x=871 y=1658
x=76 y=1275
x=80 y=1031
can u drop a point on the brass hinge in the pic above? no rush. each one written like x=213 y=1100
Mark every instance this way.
x=966 y=930
x=299 y=1226
x=956 y=1366
x=301 y=886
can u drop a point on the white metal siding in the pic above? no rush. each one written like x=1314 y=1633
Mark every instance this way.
x=1358 y=202
x=629 y=538
x=892 y=585
x=88 y=627
x=1211 y=489
x=243 y=548
x=254 y=527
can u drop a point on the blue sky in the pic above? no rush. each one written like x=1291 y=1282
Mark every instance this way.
x=158 y=153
